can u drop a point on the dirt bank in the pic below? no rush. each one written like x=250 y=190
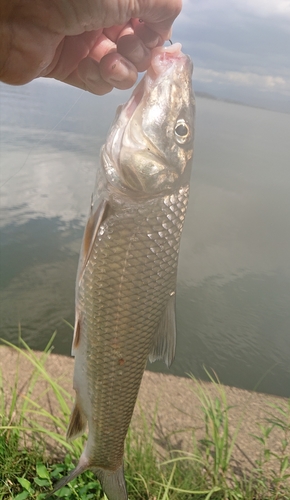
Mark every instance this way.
x=173 y=398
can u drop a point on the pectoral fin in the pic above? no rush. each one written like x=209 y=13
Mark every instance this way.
x=165 y=338
x=96 y=218
x=77 y=334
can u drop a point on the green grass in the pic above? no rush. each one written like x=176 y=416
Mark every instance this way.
x=204 y=473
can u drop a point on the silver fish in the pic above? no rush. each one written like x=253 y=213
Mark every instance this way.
x=125 y=290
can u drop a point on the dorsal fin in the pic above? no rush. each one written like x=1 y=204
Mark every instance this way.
x=95 y=220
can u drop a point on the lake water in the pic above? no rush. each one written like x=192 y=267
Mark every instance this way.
x=233 y=292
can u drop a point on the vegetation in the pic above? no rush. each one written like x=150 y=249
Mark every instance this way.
x=204 y=473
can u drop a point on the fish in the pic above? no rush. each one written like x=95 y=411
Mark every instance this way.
x=126 y=278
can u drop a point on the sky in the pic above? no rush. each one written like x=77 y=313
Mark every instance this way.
x=240 y=49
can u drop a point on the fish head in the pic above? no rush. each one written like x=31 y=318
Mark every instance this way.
x=149 y=148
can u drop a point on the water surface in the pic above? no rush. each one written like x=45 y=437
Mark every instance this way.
x=233 y=293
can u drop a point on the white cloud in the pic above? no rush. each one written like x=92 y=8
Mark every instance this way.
x=263 y=8
x=262 y=82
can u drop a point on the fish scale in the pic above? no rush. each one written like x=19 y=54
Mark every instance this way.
x=123 y=308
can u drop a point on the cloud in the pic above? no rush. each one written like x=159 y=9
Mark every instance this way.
x=260 y=8
x=262 y=82
x=239 y=47
x=265 y=8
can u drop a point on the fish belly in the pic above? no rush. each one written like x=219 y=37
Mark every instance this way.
x=124 y=291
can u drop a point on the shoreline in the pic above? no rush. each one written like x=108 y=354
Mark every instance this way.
x=171 y=402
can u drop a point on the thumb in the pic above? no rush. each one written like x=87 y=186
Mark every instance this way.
x=158 y=15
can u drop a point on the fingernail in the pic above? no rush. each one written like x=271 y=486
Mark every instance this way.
x=124 y=76
x=156 y=42
x=138 y=53
x=120 y=71
x=89 y=70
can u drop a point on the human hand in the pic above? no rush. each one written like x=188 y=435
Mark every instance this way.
x=93 y=45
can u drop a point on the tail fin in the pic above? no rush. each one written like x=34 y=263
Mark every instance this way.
x=81 y=467
x=113 y=483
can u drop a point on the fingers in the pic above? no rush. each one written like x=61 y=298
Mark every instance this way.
x=134 y=43
x=150 y=38
x=100 y=78
x=88 y=77
x=114 y=60
x=100 y=60
x=118 y=71
x=103 y=45
x=132 y=48
x=158 y=15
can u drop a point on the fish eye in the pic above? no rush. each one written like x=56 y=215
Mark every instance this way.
x=181 y=131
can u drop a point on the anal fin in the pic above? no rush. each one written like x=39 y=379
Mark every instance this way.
x=77 y=424
x=165 y=337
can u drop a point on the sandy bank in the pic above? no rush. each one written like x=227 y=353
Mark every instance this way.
x=175 y=399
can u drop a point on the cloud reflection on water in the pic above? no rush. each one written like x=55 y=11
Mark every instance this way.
x=234 y=276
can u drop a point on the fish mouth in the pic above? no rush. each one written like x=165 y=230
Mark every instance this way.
x=162 y=59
